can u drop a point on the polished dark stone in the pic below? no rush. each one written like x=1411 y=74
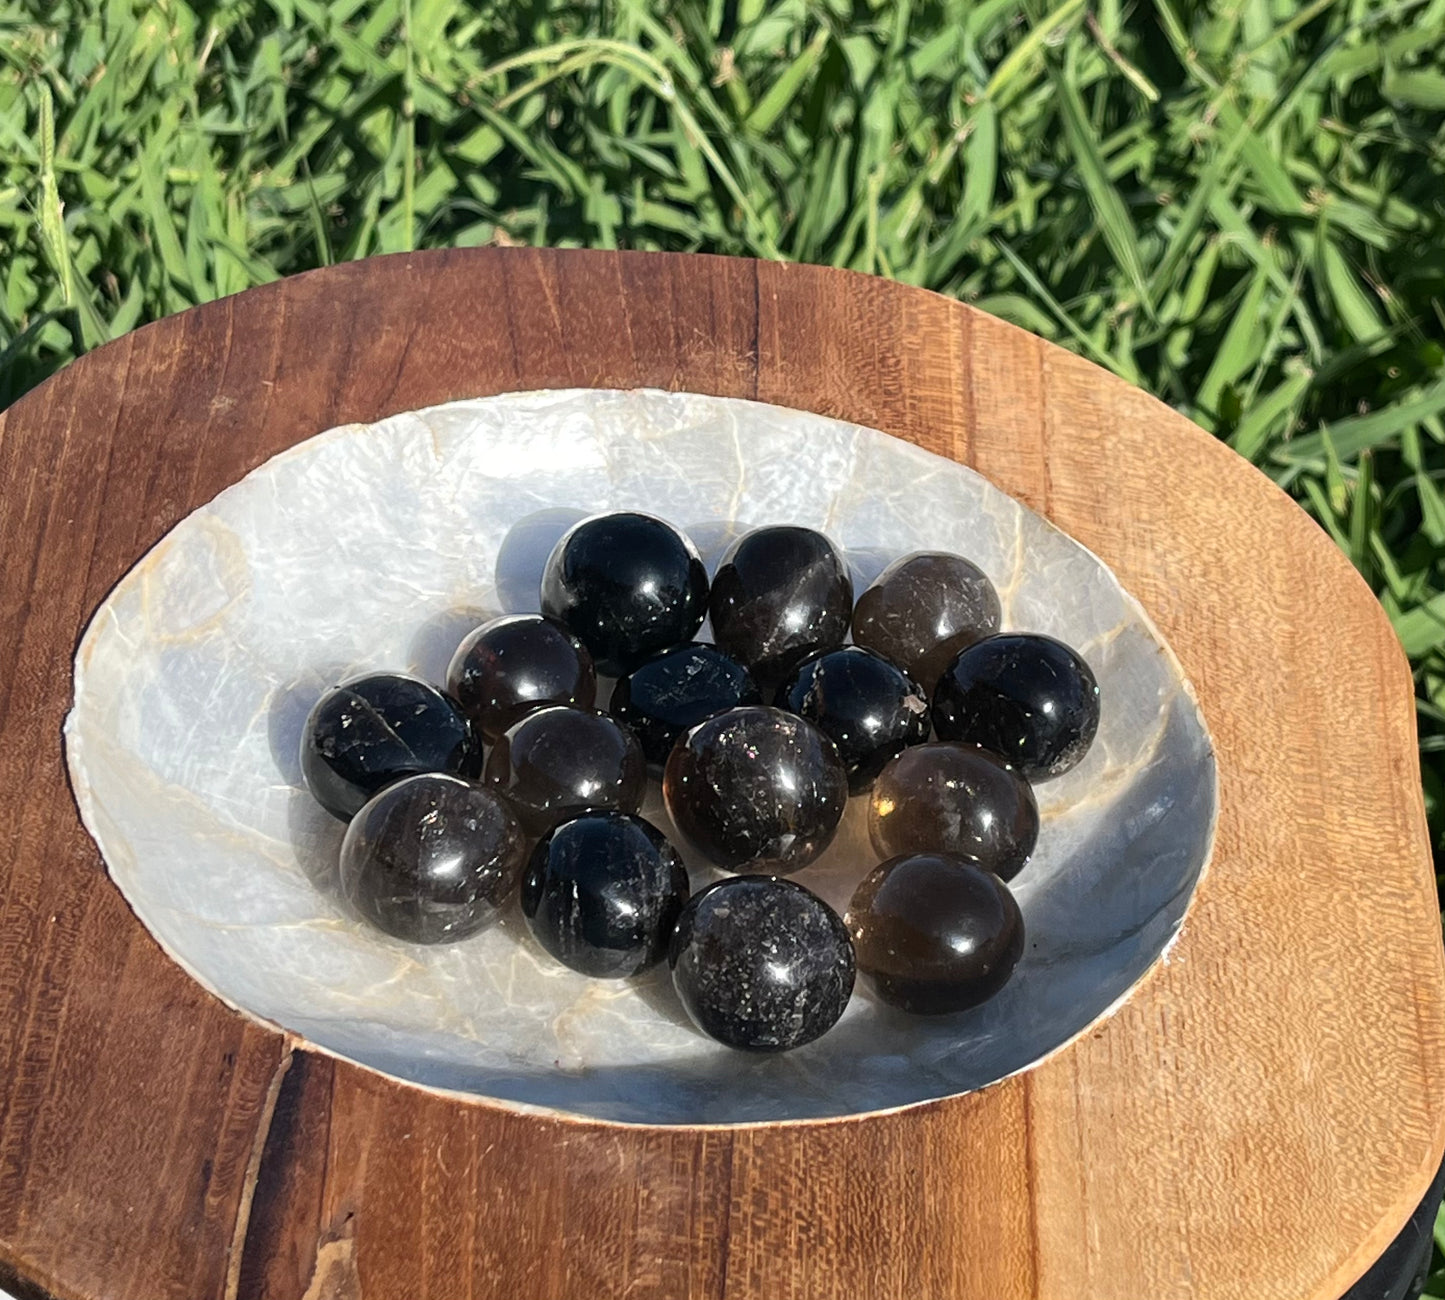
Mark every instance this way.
x=950 y=798
x=558 y=762
x=628 y=585
x=432 y=858
x=934 y=933
x=923 y=609
x=373 y=730
x=867 y=707
x=676 y=690
x=603 y=892
x=757 y=790
x=761 y=964
x=780 y=595
x=509 y=666
x=1029 y=698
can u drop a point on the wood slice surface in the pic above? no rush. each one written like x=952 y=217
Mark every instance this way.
x=1255 y=1123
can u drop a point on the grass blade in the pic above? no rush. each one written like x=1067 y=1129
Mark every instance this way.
x=1109 y=209
x=785 y=89
x=1355 y=434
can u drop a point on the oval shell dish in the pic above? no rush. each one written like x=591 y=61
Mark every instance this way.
x=379 y=546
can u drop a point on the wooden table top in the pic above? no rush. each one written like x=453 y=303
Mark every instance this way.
x=1256 y=1123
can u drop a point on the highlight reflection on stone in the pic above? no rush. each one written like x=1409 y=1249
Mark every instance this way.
x=511 y=664
x=780 y=595
x=676 y=690
x=923 y=609
x=373 y=730
x=865 y=705
x=756 y=790
x=558 y=762
x=950 y=798
x=432 y=858
x=628 y=585
x=934 y=933
x=602 y=894
x=761 y=964
x=1030 y=698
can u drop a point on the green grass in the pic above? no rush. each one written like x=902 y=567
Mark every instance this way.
x=1237 y=204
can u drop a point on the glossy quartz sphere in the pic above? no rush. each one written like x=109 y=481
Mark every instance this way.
x=959 y=799
x=756 y=789
x=628 y=585
x=1029 y=698
x=923 y=609
x=509 y=665
x=780 y=595
x=761 y=964
x=602 y=894
x=370 y=731
x=557 y=762
x=676 y=690
x=432 y=858
x=935 y=933
x=863 y=704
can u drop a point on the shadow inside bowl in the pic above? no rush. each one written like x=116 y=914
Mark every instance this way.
x=522 y=556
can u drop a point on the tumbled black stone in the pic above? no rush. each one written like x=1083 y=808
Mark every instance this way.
x=934 y=933
x=602 y=894
x=865 y=705
x=780 y=594
x=628 y=585
x=948 y=797
x=512 y=664
x=756 y=789
x=1029 y=698
x=761 y=964
x=432 y=858
x=676 y=690
x=373 y=730
x=558 y=762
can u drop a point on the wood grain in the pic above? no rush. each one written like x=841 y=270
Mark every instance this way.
x=1254 y=1124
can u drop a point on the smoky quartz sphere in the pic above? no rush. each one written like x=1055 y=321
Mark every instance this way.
x=934 y=933
x=761 y=964
x=432 y=858
x=373 y=730
x=780 y=594
x=679 y=688
x=957 y=799
x=557 y=762
x=923 y=609
x=509 y=665
x=756 y=790
x=865 y=705
x=1029 y=698
x=628 y=585
x=602 y=894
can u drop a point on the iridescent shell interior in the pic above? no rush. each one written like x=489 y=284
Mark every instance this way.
x=379 y=546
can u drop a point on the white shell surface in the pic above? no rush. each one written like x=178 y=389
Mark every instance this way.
x=377 y=547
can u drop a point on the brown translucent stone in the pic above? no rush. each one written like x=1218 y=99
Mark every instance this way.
x=509 y=666
x=934 y=933
x=781 y=594
x=756 y=790
x=559 y=762
x=432 y=858
x=953 y=798
x=923 y=610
